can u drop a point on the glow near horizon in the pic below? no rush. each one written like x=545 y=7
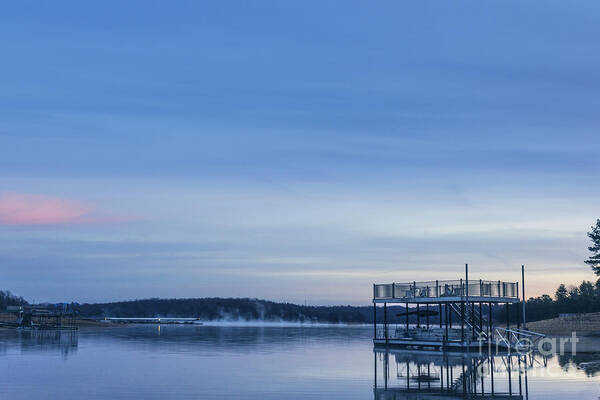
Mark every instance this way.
x=281 y=153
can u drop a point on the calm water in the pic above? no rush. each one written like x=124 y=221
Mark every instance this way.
x=184 y=362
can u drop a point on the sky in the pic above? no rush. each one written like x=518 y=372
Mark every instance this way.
x=294 y=151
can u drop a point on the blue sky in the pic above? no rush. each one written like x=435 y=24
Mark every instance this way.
x=294 y=151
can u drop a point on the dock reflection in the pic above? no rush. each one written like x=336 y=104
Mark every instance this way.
x=63 y=342
x=415 y=374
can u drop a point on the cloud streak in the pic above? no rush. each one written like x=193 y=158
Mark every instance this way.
x=33 y=209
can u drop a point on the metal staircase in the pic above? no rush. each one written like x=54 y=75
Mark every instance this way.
x=513 y=338
x=471 y=320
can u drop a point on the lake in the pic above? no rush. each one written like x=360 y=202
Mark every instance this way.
x=270 y=362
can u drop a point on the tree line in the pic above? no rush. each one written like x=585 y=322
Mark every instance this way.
x=584 y=298
x=9 y=299
x=215 y=308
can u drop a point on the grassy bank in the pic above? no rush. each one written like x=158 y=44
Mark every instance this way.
x=583 y=324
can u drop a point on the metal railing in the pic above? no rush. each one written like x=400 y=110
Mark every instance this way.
x=450 y=288
x=519 y=339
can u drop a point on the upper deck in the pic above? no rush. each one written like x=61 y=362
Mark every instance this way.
x=447 y=291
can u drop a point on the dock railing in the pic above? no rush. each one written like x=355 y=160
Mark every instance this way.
x=447 y=288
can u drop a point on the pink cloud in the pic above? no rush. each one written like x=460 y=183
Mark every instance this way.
x=29 y=209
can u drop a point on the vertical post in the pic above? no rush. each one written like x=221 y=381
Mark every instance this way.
x=393 y=290
x=427 y=316
x=492 y=372
x=464 y=381
x=523 y=292
x=473 y=376
x=462 y=321
x=408 y=374
x=473 y=320
x=418 y=317
x=526 y=385
x=374 y=292
x=509 y=376
x=518 y=306
x=386 y=371
x=407 y=318
x=440 y=314
x=467 y=283
x=482 y=386
x=507 y=316
x=519 y=372
x=480 y=317
x=375 y=370
x=385 y=328
x=374 y=312
x=465 y=304
x=374 y=320
x=446 y=309
x=442 y=375
x=489 y=320
x=447 y=374
x=437 y=289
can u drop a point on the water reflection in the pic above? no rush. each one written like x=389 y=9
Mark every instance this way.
x=415 y=374
x=266 y=363
x=36 y=341
x=590 y=361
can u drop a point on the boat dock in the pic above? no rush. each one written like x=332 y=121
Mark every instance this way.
x=36 y=317
x=462 y=310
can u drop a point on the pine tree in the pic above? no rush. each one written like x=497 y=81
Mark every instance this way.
x=594 y=260
x=561 y=293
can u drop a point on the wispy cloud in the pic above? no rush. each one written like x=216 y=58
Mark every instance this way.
x=33 y=209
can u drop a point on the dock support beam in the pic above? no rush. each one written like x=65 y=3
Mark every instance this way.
x=490 y=327
x=466 y=305
x=523 y=291
x=518 y=306
x=446 y=312
x=473 y=320
x=385 y=328
x=374 y=320
x=462 y=321
x=480 y=317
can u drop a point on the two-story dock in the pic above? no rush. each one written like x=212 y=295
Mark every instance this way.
x=462 y=310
